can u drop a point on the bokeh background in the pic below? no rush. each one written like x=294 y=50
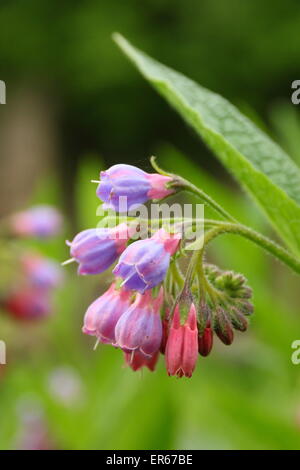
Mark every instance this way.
x=75 y=106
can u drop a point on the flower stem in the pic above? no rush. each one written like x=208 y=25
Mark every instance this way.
x=187 y=186
x=183 y=184
x=177 y=276
x=268 y=245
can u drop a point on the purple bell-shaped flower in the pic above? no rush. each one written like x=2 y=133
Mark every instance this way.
x=96 y=249
x=140 y=327
x=125 y=187
x=144 y=263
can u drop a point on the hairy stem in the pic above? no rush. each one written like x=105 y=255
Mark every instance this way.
x=177 y=276
x=184 y=185
x=268 y=245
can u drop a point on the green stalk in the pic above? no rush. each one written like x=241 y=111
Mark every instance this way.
x=268 y=245
x=184 y=185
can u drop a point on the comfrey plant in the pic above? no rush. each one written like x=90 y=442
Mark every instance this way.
x=153 y=306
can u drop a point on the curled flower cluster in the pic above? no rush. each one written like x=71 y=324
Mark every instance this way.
x=228 y=312
x=150 y=308
x=29 y=295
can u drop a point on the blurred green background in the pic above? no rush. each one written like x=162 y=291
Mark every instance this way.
x=75 y=106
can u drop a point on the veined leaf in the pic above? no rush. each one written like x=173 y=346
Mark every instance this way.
x=259 y=164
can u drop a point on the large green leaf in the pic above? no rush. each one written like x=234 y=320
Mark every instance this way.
x=259 y=164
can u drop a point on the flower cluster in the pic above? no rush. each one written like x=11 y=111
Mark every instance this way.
x=150 y=308
x=28 y=295
x=31 y=297
x=228 y=312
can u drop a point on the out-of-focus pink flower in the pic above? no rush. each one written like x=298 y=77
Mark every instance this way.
x=144 y=263
x=182 y=345
x=103 y=314
x=137 y=360
x=33 y=431
x=140 y=328
x=28 y=304
x=38 y=221
x=131 y=184
x=41 y=272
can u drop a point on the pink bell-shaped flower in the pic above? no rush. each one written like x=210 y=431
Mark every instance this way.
x=140 y=327
x=182 y=345
x=103 y=314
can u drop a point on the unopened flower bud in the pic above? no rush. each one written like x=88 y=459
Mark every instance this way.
x=238 y=320
x=204 y=316
x=244 y=293
x=205 y=341
x=234 y=284
x=245 y=307
x=222 y=326
x=212 y=271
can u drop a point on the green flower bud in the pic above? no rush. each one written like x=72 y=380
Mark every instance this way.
x=238 y=320
x=245 y=307
x=222 y=326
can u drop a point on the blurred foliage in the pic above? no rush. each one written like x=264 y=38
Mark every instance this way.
x=247 y=51
x=246 y=396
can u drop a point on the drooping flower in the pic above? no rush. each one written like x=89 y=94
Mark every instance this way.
x=103 y=314
x=205 y=341
x=136 y=360
x=238 y=319
x=205 y=329
x=144 y=263
x=38 y=221
x=96 y=249
x=223 y=326
x=182 y=345
x=41 y=272
x=140 y=327
x=28 y=304
x=125 y=187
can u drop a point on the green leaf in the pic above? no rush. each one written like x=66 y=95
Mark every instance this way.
x=259 y=164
